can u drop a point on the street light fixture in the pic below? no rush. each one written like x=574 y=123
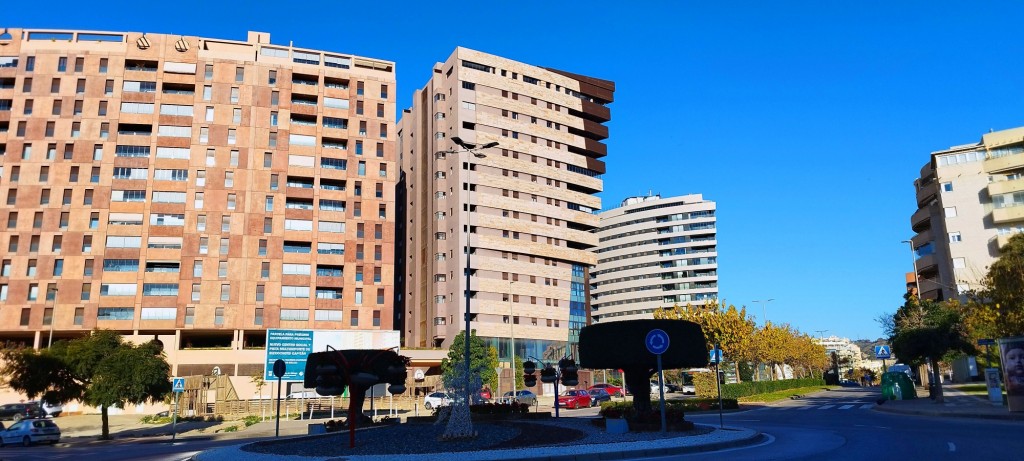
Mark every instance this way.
x=764 y=309
x=473 y=149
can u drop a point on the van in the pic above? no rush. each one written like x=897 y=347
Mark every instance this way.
x=303 y=395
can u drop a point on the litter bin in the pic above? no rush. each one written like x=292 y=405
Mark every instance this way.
x=896 y=385
x=318 y=428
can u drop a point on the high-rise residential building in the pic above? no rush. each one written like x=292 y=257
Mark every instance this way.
x=969 y=201
x=654 y=253
x=194 y=190
x=523 y=210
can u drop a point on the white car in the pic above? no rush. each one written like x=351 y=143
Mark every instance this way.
x=30 y=431
x=655 y=389
x=52 y=410
x=436 y=400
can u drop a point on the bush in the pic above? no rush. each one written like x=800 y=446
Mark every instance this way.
x=250 y=420
x=154 y=419
x=674 y=409
x=500 y=408
x=231 y=429
x=705 y=383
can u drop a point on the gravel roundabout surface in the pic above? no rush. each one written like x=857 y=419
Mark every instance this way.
x=567 y=437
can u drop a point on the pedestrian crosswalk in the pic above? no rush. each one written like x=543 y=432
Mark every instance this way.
x=806 y=406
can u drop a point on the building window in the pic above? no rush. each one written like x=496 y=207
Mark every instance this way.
x=954 y=237
x=950 y=211
x=947 y=187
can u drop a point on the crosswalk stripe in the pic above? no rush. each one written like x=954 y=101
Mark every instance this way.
x=846 y=407
x=805 y=408
x=825 y=407
x=867 y=407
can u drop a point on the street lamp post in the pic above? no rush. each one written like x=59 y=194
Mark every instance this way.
x=764 y=309
x=473 y=149
x=512 y=339
x=917 y=279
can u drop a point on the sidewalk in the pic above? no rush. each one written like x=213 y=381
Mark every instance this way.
x=957 y=405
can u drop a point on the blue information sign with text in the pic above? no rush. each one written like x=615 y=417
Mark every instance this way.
x=292 y=346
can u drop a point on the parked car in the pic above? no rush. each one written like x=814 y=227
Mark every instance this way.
x=30 y=431
x=656 y=389
x=51 y=410
x=17 y=411
x=577 y=398
x=437 y=400
x=672 y=387
x=522 y=396
x=599 y=395
x=611 y=389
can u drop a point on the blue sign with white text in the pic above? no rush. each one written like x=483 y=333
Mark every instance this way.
x=292 y=346
x=883 y=352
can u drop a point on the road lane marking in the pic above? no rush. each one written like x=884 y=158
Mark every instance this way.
x=951 y=446
x=846 y=407
x=825 y=407
x=867 y=407
x=805 y=408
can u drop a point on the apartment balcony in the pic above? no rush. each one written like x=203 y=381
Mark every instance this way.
x=927 y=193
x=927 y=263
x=1008 y=214
x=927 y=171
x=922 y=238
x=1005 y=187
x=1004 y=163
x=920 y=220
x=1003 y=239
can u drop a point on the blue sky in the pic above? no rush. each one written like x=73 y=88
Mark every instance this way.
x=806 y=121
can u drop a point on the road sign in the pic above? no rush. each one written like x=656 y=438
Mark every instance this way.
x=292 y=346
x=657 y=341
x=883 y=352
x=715 y=356
x=986 y=342
x=178 y=384
x=280 y=368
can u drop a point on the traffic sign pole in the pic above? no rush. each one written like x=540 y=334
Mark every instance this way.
x=657 y=342
x=279 y=370
x=177 y=386
x=661 y=391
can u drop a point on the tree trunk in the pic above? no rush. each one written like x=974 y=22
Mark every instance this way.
x=105 y=421
x=936 y=381
x=638 y=381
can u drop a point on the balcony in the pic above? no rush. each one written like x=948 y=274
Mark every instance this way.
x=922 y=238
x=927 y=193
x=927 y=264
x=1004 y=163
x=921 y=219
x=1005 y=187
x=927 y=171
x=1008 y=214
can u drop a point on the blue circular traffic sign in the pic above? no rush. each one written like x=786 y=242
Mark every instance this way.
x=656 y=341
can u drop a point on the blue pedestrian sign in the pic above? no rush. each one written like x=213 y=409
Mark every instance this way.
x=715 y=356
x=178 y=385
x=657 y=341
x=883 y=352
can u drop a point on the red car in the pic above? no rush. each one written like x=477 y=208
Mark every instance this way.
x=611 y=389
x=574 y=399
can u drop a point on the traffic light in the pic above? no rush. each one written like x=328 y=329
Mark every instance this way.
x=529 y=368
x=548 y=375
x=570 y=376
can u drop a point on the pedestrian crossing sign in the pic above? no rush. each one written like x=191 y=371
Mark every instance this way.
x=178 y=385
x=883 y=352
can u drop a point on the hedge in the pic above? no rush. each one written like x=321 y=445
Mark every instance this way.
x=705 y=384
x=674 y=408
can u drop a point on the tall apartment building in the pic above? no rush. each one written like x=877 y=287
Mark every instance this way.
x=969 y=201
x=526 y=209
x=194 y=190
x=654 y=252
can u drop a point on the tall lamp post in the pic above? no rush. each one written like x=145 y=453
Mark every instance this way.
x=512 y=339
x=473 y=149
x=764 y=309
x=917 y=279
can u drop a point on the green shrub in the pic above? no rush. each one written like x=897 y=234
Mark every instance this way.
x=231 y=429
x=674 y=409
x=250 y=420
x=705 y=384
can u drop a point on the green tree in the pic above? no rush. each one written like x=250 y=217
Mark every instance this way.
x=929 y=330
x=728 y=326
x=101 y=370
x=997 y=310
x=259 y=380
x=483 y=359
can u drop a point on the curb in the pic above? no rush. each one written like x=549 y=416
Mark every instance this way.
x=993 y=416
x=754 y=439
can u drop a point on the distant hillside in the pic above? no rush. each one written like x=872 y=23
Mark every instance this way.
x=867 y=346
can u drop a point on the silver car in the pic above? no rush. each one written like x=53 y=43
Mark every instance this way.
x=30 y=431
x=522 y=396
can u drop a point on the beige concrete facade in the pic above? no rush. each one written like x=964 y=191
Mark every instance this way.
x=654 y=252
x=194 y=190
x=531 y=209
x=970 y=201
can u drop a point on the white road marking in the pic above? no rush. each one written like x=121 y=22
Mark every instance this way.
x=805 y=408
x=867 y=407
x=825 y=407
x=951 y=446
x=846 y=407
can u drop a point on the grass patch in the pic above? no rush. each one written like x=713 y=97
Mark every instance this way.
x=973 y=389
x=784 y=394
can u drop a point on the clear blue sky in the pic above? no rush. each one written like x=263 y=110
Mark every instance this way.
x=807 y=123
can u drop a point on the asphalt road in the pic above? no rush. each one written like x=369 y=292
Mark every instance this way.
x=840 y=425
x=118 y=450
